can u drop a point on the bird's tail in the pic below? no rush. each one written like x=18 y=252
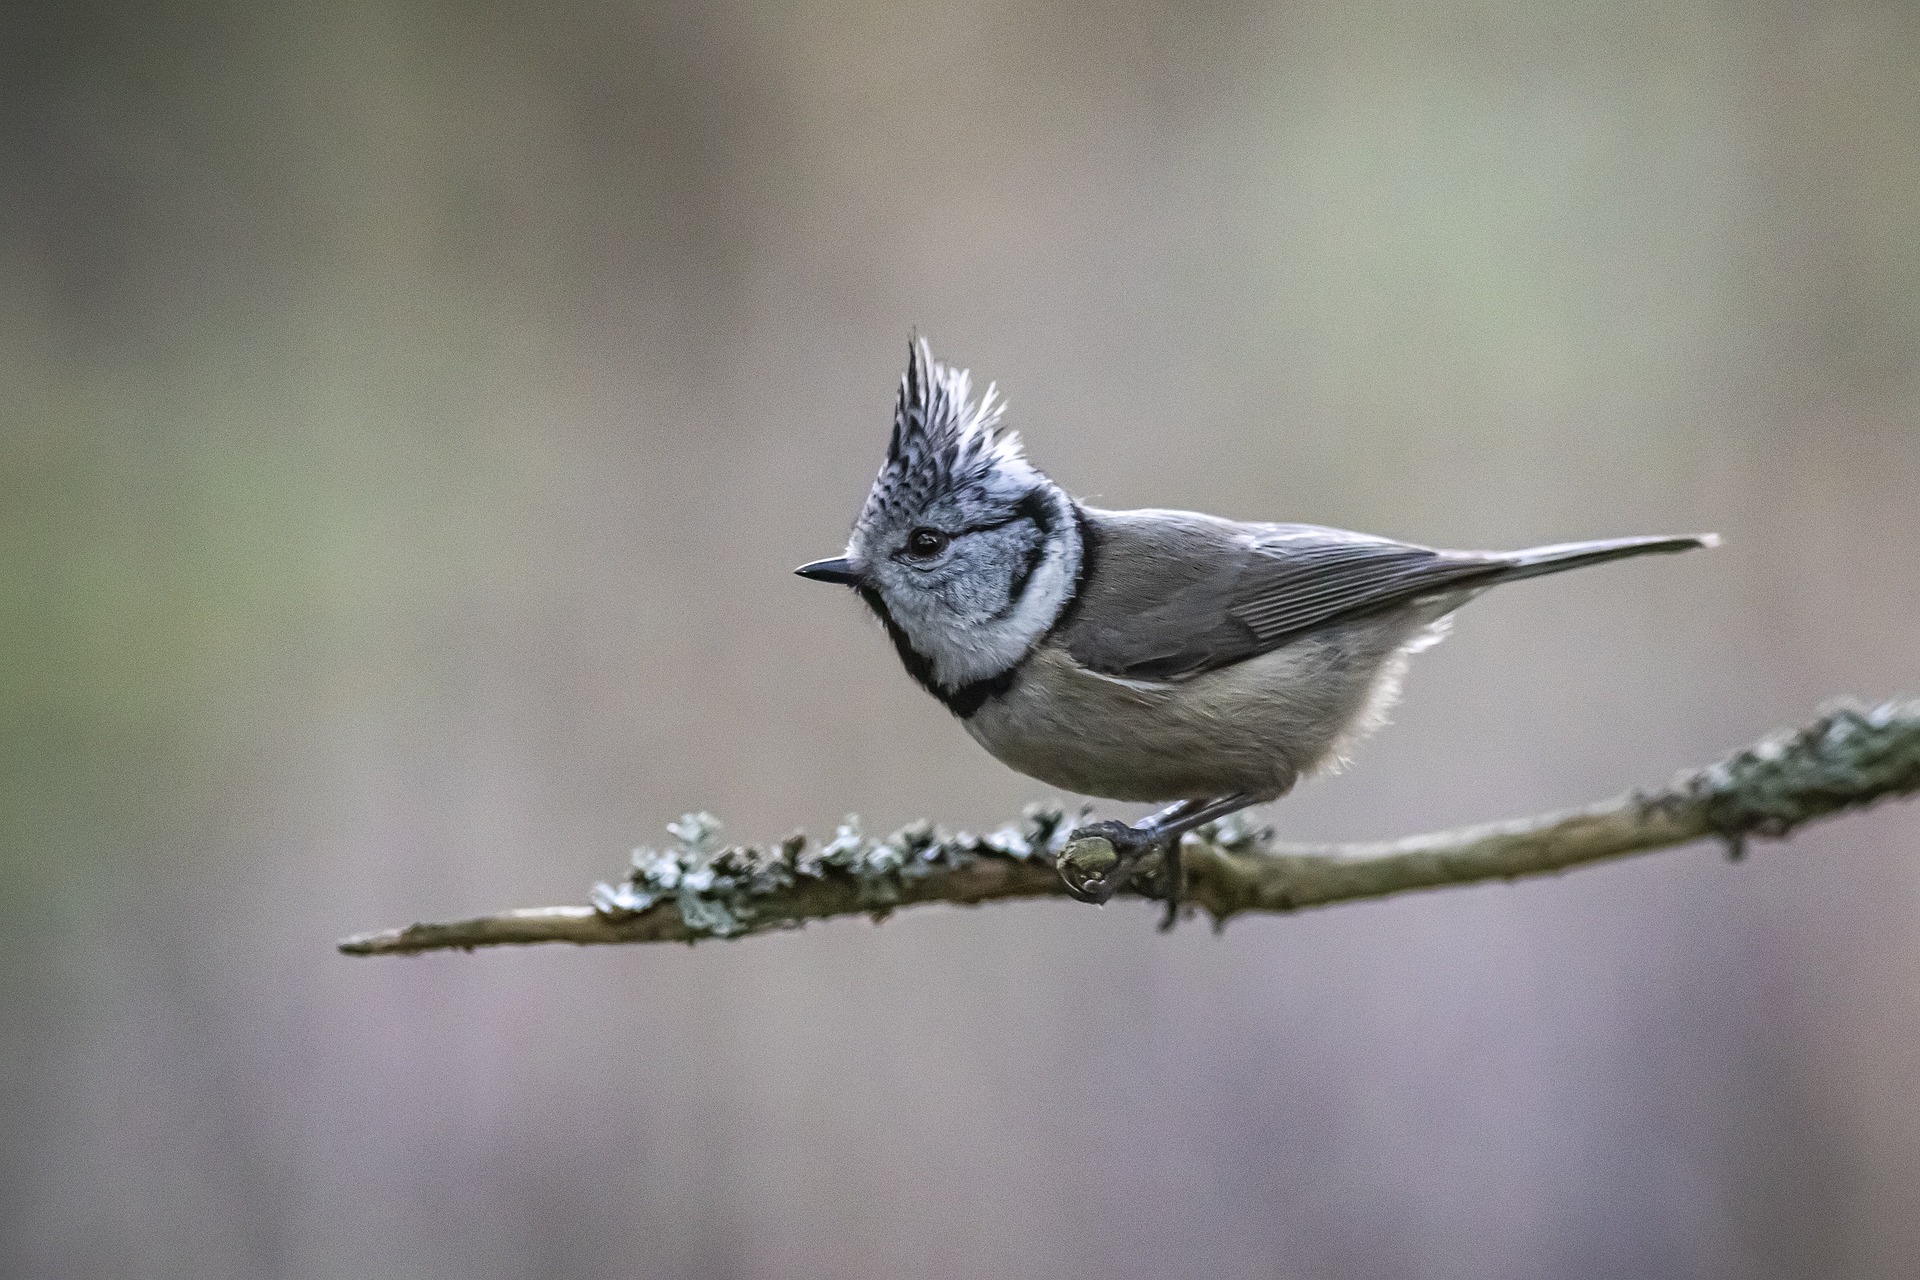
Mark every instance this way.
x=1536 y=561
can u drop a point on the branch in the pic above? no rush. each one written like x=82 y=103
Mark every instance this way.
x=1848 y=758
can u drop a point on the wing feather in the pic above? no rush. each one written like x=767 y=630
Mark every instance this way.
x=1172 y=594
x=1307 y=577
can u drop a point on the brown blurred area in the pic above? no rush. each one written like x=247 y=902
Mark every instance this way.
x=413 y=413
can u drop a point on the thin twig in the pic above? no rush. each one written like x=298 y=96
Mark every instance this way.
x=1848 y=758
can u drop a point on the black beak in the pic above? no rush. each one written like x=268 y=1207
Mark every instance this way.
x=838 y=570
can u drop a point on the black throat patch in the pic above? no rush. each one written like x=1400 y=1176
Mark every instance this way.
x=965 y=700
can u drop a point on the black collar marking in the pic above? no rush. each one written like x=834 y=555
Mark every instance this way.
x=1032 y=506
x=1089 y=547
x=965 y=700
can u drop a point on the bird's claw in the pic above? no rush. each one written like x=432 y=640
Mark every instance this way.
x=1100 y=858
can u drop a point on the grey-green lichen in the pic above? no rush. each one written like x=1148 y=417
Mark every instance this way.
x=724 y=890
x=1850 y=756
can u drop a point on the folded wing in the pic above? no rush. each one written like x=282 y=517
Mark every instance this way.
x=1170 y=594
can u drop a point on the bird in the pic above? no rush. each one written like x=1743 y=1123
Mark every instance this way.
x=1160 y=656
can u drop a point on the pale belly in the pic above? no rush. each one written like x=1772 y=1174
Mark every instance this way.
x=1252 y=728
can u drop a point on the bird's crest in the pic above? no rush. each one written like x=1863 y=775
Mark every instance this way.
x=943 y=440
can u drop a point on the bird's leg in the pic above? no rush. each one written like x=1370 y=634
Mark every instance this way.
x=1169 y=825
x=1097 y=875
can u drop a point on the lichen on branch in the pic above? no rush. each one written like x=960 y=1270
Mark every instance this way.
x=701 y=887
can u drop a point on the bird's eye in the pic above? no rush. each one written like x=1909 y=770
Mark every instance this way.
x=924 y=544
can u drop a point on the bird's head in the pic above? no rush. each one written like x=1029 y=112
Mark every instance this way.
x=965 y=550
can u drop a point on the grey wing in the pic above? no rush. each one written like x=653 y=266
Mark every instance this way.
x=1301 y=577
x=1172 y=594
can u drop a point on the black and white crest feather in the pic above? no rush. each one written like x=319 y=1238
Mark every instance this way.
x=944 y=442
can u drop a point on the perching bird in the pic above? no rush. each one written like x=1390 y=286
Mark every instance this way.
x=1143 y=655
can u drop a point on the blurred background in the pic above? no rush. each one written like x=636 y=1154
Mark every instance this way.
x=413 y=413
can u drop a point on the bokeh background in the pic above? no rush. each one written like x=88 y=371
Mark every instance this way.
x=412 y=413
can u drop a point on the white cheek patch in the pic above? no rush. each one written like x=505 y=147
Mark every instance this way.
x=975 y=596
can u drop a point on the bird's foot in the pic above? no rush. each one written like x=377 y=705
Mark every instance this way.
x=1100 y=858
x=1173 y=879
